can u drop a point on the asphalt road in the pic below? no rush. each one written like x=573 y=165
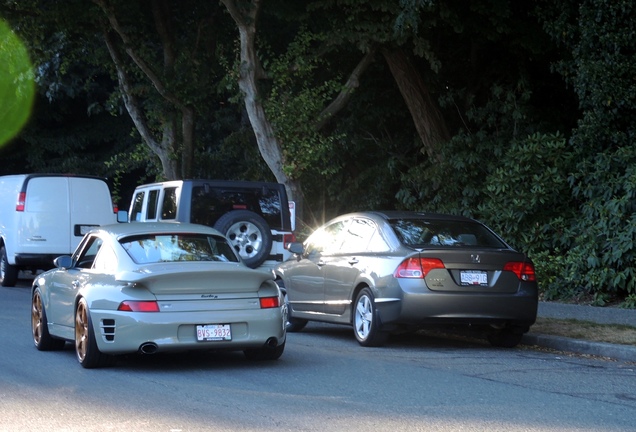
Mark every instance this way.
x=324 y=381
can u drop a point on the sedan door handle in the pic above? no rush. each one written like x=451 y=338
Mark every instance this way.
x=353 y=261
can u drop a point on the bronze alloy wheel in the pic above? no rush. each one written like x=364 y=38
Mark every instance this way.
x=36 y=318
x=81 y=331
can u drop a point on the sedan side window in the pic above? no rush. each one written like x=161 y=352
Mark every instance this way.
x=326 y=240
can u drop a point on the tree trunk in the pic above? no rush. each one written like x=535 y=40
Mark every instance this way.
x=250 y=70
x=428 y=121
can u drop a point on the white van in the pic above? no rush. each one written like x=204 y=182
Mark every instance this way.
x=43 y=216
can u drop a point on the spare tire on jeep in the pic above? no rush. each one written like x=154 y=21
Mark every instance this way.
x=248 y=233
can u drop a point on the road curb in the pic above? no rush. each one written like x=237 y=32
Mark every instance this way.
x=618 y=352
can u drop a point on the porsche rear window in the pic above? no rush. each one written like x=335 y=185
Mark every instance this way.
x=425 y=233
x=154 y=248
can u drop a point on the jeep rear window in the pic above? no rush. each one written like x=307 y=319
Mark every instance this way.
x=209 y=204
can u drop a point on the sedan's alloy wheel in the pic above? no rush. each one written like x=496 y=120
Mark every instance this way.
x=365 y=322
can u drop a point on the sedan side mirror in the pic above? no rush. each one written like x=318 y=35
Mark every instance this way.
x=296 y=248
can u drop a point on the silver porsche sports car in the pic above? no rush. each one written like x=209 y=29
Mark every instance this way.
x=384 y=272
x=156 y=287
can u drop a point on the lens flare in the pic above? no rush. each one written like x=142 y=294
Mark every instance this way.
x=17 y=87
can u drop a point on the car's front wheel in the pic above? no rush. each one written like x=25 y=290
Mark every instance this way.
x=8 y=273
x=292 y=324
x=39 y=326
x=88 y=354
x=366 y=325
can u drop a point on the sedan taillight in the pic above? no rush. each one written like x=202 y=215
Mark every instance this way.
x=523 y=270
x=417 y=268
x=138 y=306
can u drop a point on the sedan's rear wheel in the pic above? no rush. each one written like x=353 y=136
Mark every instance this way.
x=39 y=326
x=507 y=337
x=366 y=325
x=88 y=354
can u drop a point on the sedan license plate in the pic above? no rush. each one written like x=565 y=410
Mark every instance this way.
x=473 y=277
x=214 y=332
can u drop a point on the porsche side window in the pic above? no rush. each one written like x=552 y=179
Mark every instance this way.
x=106 y=260
x=87 y=255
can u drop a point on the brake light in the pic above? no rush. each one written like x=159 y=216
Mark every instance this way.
x=138 y=306
x=288 y=239
x=115 y=208
x=269 y=302
x=19 y=205
x=417 y=268
x=523 y=270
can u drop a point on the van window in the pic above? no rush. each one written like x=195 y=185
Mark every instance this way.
x=138 y=202
x=151 y=208
x=169 y=203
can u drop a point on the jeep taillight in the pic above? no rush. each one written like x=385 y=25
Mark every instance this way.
x=523 y=270
x=19 y=205
x=417 y=268
x=288 y=239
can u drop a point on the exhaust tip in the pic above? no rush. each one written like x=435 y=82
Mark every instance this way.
x=271 y=342
x=148 y=348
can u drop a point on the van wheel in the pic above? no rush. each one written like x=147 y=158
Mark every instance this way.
x=8 y=273
x=249 y=234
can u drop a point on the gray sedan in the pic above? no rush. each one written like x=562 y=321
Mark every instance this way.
x=384 y=272
x=156 y=287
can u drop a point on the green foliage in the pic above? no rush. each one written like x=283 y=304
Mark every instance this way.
x=294 y=105
x=457 y=183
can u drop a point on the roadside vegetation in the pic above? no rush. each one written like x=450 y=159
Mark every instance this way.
x=519 y=114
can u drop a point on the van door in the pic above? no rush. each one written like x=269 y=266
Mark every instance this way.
x=90 y=206
x=45 y=227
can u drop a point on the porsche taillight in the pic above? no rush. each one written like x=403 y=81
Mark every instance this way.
x=523 y=270
x=269 y=302
x=138 y=306
x=417 y=268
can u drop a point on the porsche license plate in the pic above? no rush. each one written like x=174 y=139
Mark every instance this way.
x=473 y=277
x=214 y=332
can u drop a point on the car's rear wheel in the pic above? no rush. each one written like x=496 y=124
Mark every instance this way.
x=265 y=353
x=249 y=234
x=8 y=273
x=292 y=324
x=39 y=326
x=366 y=325
x=88 y=354
x=507 y=337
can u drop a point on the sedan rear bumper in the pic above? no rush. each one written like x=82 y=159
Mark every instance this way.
x=417 y=308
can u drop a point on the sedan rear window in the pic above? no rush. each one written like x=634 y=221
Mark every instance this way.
x=427 y=232
x=154 y=248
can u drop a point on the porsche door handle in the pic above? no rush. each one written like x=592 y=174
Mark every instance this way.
x=320 y=263
x=75 y=284
x=353 y=261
